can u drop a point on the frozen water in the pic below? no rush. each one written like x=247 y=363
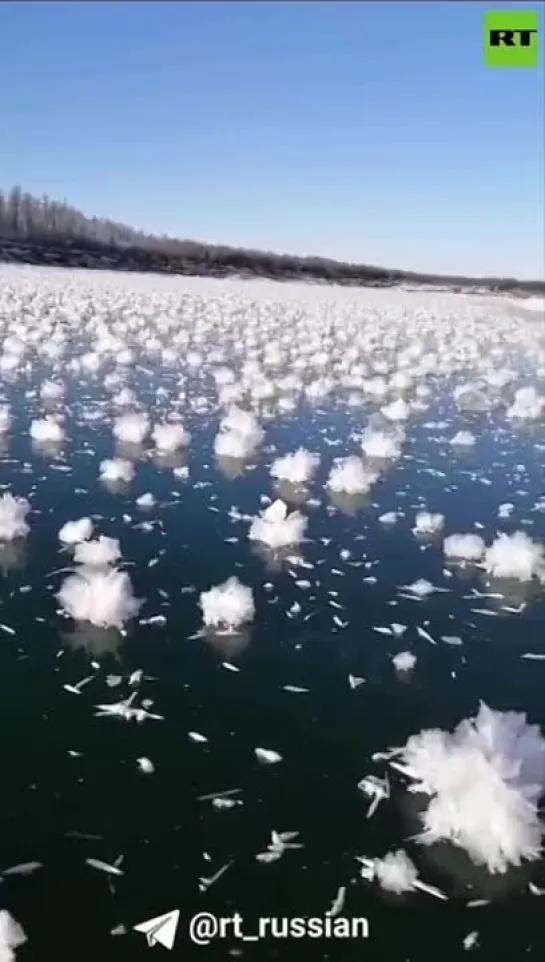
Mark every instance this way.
x=252 y=538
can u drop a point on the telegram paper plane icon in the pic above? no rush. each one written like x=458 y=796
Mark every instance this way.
x=160 y=930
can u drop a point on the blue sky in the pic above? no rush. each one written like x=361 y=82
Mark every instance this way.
x=365 y=131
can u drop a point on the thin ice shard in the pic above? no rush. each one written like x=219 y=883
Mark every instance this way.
x=104 y=866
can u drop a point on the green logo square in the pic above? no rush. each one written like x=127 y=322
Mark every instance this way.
x=511 y=38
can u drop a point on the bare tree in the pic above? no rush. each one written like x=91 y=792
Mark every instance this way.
x=42 y=221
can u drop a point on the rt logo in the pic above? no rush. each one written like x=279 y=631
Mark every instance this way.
x=511 y=38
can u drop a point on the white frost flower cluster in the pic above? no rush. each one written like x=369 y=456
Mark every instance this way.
x=99 y=553
x=170 y=437
x=228 y=606
x=528 y=405
x=276 y=528
x=515 y=556
x=297 y=468
x=485 y=781
x=131 y=428
x=116 y=470
x=13 y=512
x=464 y=547
x=381 y=445
x=5 y=418
x=98 y=592
x=350 y=476
x=397 y=411
x=404 y=661
x=239 y=435
x=73 y=532
x=46 y=431
x=395 y=872
x=12 y=936
x=51 y=391
x=427 y=523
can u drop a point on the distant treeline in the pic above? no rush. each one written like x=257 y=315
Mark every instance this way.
x=39 y=230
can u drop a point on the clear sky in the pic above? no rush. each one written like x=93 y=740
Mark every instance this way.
x=371 y=132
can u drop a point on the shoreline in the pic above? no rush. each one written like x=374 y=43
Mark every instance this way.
x=247 y=265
